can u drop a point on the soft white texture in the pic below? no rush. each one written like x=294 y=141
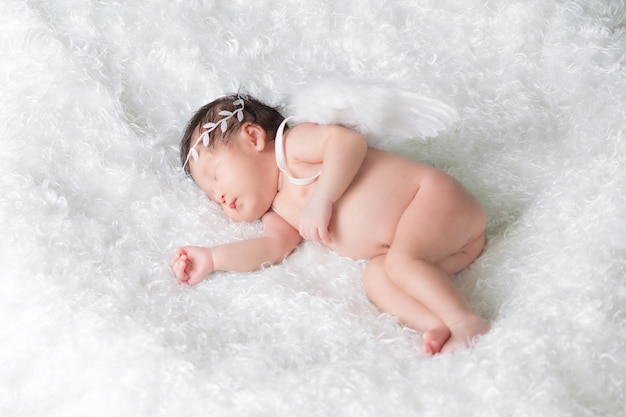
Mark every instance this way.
x=94 y=96
x=383 y=114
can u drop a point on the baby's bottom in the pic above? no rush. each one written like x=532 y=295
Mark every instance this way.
x=390 y=298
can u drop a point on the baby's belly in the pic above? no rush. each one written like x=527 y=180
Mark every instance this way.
x=366 y=216
x=364 y=220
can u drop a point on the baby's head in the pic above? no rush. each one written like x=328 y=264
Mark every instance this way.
x=216 y=122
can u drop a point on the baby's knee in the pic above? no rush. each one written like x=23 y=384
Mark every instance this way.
x=393 y=260
x=374 y=275
x=371 y=283
x=398 y=262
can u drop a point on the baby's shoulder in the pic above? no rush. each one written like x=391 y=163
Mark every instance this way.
x=300 y=138
x=303 y=130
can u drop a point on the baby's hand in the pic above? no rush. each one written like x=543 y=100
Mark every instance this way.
x=192 y=264
x=315 y=218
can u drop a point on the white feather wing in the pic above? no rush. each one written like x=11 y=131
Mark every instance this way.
x=380 y=113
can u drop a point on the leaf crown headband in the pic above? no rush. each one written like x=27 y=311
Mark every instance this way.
x=211 y=126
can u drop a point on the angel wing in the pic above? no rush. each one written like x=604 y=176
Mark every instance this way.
x=380 y=113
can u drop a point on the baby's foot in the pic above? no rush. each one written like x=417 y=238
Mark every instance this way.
x=463 y=333
x=434 y=340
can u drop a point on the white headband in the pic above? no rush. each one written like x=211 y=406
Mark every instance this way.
x=211 y=126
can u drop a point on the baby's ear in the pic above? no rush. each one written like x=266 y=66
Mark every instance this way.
x=255 y=134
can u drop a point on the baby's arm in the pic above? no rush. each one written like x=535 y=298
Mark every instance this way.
x=192 y=264
x=341 y=152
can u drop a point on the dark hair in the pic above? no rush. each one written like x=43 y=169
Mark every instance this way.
x=254 y=111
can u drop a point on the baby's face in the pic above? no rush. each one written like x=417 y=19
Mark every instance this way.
x=235 y=176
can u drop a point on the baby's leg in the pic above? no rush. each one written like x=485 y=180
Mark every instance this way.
x=390 y=299
x=457 y=262
x=430 y=286
x=461 y=259
x=436 y=227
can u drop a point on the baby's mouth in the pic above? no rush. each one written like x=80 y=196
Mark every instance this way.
x=233 y=204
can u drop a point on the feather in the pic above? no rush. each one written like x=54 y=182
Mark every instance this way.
x=380 y=113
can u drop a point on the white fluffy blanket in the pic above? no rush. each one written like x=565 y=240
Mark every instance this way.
x=93 y=98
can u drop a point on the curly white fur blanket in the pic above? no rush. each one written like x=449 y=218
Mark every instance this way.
x=93 y=98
